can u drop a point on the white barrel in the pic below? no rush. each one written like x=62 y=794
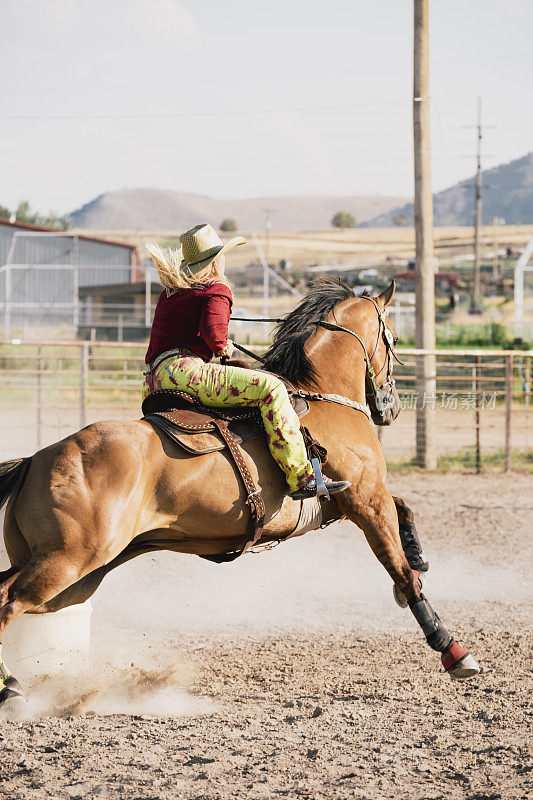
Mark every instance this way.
x=41 y=644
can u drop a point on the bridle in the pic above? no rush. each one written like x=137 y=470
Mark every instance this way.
x=383 y=332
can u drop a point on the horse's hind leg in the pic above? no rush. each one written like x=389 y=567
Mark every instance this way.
x=42 y=579
x=36 y=583
x=79 y=592
x=377 y=516
x=19 y=553
x=9 y=686
x=7 y=577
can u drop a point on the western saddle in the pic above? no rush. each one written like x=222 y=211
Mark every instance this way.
x=200 y=430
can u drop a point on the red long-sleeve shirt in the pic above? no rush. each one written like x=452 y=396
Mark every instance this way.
x=194 y=318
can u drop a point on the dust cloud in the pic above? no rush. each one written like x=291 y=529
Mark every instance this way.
x=324 y=581
x=112 y=690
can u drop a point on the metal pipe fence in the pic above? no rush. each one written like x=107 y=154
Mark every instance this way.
x=482 y=401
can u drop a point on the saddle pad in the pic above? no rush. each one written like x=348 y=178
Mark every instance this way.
x=200 y=442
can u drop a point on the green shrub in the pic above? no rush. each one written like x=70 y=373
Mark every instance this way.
x=343 y=219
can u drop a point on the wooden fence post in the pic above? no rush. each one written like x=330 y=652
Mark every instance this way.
x=508 y=404
x=39 y=397
x=478 y=414
x=84 y=381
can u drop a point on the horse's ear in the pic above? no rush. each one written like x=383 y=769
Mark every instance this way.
x=387 y=294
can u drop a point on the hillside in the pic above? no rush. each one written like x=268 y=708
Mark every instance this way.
x=507 y=193
x=158 y=209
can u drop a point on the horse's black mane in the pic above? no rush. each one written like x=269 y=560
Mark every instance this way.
x=287 y=356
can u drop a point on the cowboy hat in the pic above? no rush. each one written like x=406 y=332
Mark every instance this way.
x=201 y=245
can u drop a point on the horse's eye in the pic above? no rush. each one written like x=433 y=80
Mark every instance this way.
x=395 y=341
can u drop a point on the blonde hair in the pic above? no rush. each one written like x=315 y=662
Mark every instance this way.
x=172 y=276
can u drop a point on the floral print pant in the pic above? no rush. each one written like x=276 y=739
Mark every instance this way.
x=217 y=385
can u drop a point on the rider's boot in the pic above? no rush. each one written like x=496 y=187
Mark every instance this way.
x=311 y=488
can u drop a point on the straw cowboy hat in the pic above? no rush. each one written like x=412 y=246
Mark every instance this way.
x=201 y=245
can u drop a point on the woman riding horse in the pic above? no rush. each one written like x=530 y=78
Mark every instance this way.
x=83 y=506
x=191 y=325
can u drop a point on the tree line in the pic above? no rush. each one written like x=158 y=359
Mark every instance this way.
x=342 y=219
x=24 y=213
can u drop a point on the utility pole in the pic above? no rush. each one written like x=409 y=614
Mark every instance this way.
x=267 y=271
x=496 y=221
x=268 y=230
x=424 y=267
x=475 y=307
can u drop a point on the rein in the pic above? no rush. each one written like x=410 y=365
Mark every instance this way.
x=328 y=398
x=330 y=326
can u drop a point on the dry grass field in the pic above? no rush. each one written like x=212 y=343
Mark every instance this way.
x=358 y=245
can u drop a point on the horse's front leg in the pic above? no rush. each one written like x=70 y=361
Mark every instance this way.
x=375 y=512
x=411 y=546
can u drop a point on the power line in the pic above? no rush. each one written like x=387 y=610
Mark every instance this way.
x=182 y=115
x=250 y=78
x=223 y=159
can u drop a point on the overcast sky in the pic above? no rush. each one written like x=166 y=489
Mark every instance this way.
x=250 y=97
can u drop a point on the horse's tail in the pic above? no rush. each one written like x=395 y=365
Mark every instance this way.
x=11 y=472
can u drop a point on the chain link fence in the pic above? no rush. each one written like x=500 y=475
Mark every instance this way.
x=482 y=402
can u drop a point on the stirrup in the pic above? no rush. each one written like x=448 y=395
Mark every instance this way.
x=322 y=491
x=312 y=489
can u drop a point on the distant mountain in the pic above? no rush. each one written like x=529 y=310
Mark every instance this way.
x=507 y=193
x=160 y=210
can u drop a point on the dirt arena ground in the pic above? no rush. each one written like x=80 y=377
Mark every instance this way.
x=293 y=674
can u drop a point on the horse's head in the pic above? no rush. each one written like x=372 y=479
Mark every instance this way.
x=381 y=393
x=305 y=353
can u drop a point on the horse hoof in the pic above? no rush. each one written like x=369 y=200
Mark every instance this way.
x=13 y=704
x=458 y=662
x=466 y=668
x=399 y=596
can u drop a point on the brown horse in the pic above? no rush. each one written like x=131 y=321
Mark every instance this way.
x=90 y=502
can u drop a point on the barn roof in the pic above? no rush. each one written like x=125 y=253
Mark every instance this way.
x=40 y=228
